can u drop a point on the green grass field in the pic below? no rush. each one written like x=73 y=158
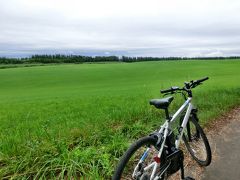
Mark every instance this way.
x=76 y=120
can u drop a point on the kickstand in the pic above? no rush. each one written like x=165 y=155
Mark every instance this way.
x=182 y=170
x=182 y=174
x=188 y=178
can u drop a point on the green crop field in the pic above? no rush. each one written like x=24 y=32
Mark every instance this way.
x=63 y=121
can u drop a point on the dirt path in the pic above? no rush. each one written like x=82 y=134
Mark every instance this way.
x=224 y=138
x=225 y=141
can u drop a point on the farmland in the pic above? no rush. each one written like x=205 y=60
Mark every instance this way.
x=76 y=120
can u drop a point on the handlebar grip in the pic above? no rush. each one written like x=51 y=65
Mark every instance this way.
x=203 y=79
x=172 y=89
x=166 y=91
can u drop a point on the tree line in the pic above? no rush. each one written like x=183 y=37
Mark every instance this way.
x=59 y=58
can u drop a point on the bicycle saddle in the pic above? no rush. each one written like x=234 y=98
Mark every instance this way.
x=161 y=103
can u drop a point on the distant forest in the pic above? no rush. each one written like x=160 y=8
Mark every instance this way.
x=58 y=58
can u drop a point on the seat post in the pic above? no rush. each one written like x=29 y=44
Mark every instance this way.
x=167 y=114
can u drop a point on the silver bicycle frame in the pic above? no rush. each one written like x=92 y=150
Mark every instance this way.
x=165 y=130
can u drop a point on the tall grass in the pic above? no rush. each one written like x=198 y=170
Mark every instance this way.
x=76 y=120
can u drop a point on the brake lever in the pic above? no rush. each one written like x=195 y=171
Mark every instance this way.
x=195 y=85
x=168 y=93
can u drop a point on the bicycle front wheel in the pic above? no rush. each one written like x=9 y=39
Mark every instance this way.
x=129 y=166
x=197 y=143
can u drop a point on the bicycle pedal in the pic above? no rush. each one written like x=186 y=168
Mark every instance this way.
x=188 y=178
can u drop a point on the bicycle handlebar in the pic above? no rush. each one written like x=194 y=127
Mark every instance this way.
x=172 y=89
x=188 y=86
x=203 y=79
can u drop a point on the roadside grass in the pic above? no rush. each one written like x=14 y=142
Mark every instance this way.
x=68 y=121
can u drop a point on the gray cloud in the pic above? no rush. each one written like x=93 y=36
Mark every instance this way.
x=141 y=28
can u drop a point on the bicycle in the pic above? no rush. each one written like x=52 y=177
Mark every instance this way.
x=157 y=156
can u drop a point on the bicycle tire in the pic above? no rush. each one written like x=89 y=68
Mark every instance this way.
x=145 y=141
x=202 y=162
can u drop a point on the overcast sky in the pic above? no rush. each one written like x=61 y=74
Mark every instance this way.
x=120 y=27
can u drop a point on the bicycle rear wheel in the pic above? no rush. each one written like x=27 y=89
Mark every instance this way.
x=197 y=143
x=129 y=167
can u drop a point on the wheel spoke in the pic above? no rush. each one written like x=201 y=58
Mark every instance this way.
x=197 y=144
